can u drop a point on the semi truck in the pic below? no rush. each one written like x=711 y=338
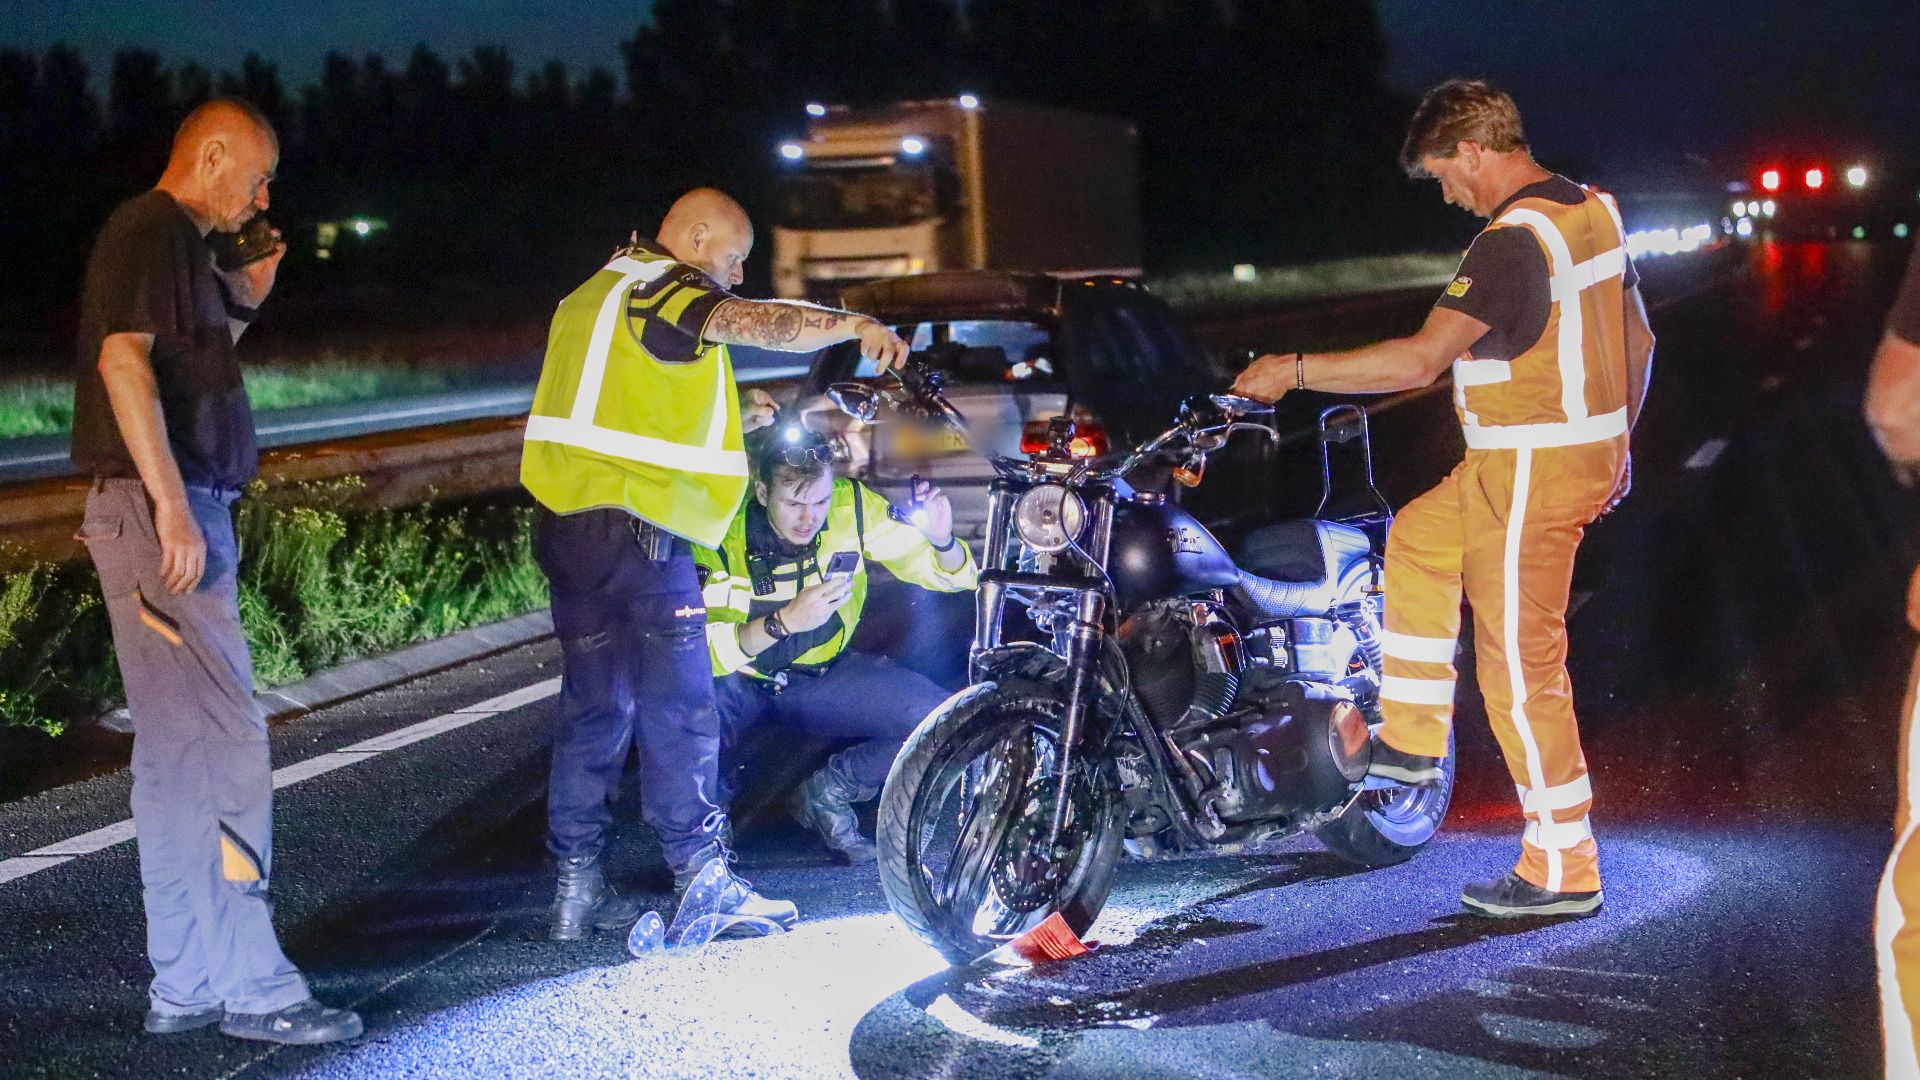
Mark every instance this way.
x=921 y=186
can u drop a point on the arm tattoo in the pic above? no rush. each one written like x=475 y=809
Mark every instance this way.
x=751 y=322
x=773 y=324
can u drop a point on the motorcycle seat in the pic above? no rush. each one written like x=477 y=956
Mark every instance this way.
x=1295 y=568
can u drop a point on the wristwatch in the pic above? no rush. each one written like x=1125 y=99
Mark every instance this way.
x=774 y=628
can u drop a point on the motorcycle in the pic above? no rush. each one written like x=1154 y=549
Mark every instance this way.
x=1171 y=698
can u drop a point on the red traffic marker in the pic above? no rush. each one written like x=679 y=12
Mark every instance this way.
x=1051 y=940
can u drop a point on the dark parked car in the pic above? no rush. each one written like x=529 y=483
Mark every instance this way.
x=1018 y=350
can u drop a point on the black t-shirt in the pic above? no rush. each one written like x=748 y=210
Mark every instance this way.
x=1503 y=281
x=151 y=272
x=1903 y=321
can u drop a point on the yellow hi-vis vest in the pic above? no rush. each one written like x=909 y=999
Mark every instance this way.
x=1570 y=387
x=614 y=426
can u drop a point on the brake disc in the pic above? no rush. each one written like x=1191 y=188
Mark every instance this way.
x=1028 y=874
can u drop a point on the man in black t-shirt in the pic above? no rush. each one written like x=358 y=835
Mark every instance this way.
x=1893 y=412
x=161 y=422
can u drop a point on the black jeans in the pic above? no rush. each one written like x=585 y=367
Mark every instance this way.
x=634 y=667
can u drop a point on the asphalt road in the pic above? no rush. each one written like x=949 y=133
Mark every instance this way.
x=1738 y=655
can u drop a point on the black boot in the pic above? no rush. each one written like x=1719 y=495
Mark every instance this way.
x=582 y=898
x=824 y=803
x=737 y=896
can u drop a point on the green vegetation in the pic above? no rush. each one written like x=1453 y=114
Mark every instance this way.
x=38 y=405
x=1368 y=273
x=321 y=582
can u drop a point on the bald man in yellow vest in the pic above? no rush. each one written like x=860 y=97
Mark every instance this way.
x=634 y=454
x=1548 y=341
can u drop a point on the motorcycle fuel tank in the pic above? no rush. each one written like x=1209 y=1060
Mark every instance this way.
x=1159 y=551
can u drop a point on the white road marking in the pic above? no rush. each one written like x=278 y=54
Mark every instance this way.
x=120 y=832
x=1579 y=601
x=1708 y=453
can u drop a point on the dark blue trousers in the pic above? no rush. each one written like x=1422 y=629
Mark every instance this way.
x=634 y=668
x=870 y=698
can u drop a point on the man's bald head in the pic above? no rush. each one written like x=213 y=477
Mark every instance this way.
x=225 y=119
x=224 y=156
x=707 y=228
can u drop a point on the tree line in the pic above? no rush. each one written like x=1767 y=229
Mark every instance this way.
x=1267 y=134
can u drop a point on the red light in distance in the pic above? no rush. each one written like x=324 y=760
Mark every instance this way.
x=1770 y=180
x=1815 y=179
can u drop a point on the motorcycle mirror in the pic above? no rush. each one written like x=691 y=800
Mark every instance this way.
x=1235 y=405
x=857 y=400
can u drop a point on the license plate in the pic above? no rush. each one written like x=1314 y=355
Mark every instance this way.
x=913 y=443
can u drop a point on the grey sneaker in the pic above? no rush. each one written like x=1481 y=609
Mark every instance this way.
x=304 y=1024
x=172 y=1023
x=1514 y=897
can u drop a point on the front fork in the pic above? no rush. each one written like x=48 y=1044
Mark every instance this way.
x=1083 y=655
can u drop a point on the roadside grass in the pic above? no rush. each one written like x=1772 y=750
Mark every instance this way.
x=1271 y=284
x=322 y=581
x=42 y=405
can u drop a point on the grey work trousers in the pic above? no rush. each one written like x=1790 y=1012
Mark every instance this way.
x=202 y=777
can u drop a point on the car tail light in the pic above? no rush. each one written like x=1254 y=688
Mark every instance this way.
x=1816 y=179
x=1089 y=439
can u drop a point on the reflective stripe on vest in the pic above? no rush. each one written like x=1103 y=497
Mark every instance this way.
x=579 y=428
x=1573 y=344
x=658 y=440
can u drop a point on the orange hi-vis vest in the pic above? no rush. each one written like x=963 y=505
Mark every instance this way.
x=1570 y=387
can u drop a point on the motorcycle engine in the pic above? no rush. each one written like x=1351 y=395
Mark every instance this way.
x=1264 y=745
x=1292 y=752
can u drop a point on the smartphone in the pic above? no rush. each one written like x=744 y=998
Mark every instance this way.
x=254 y=241
x=843 y=564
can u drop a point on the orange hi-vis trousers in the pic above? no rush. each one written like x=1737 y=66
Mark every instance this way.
x=1503 y=527
x=1896 y=920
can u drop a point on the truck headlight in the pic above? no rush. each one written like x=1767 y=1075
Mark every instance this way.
x=1049 y=517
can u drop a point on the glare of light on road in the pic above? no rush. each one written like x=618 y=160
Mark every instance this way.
x=792 y=151
x=1671 y=241
x=1857 y=176
x=814 y=108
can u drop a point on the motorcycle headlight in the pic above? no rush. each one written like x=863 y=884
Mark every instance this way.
x=1049 y=517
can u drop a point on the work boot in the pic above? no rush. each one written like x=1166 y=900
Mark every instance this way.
x=1401 y=767
x=824 y=803
x=736 y=893
x=1513 y=897
x=582 y=898
x=304 y=1024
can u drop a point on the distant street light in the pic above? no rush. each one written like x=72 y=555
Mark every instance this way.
x=913 y=145
x=1857 y=176
x=814 y=108
x=792 y=151
x=968 y=101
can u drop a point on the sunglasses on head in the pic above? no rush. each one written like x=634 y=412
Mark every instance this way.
x=799 y=457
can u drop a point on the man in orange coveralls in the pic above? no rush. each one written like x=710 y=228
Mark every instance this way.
x=1548 y=340
x=1893 y=411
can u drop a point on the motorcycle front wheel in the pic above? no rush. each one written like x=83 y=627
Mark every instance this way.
x=966 y=817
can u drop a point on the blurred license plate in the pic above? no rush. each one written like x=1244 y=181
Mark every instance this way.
x=915 y=443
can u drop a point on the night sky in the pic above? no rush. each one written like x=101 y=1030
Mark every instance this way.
x=1639 y=82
